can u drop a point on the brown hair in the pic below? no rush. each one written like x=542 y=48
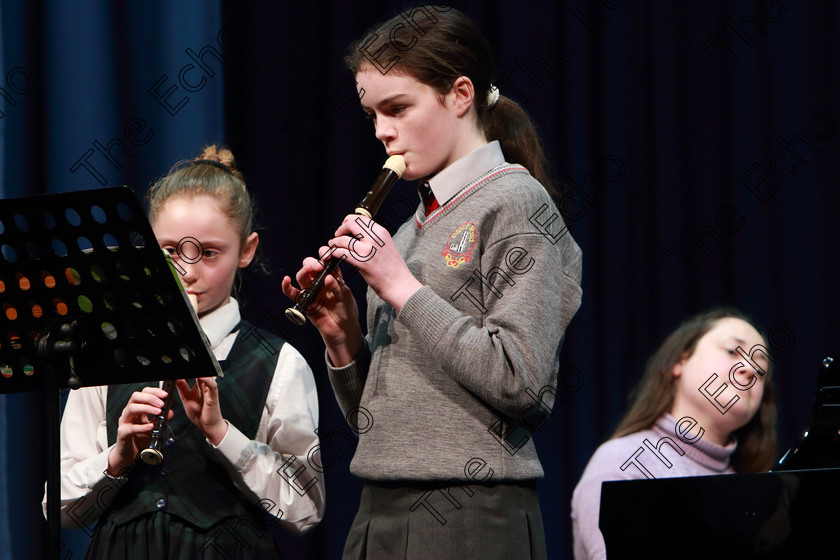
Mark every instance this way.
x=213 y=173
x=655 y=393
x=448 y=47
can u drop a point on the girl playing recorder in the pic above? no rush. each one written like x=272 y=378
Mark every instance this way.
x=466 y=309
x=219 y=485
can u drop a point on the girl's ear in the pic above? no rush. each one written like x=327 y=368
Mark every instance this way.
x=249 y=249
x=463 y=95
x=678 y=368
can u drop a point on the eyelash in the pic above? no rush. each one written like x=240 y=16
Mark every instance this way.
x=395 y=110
x=208 y=253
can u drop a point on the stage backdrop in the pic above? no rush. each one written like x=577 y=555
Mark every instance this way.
x=698 y=142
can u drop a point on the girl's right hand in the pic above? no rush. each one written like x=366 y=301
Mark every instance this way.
x=334 y=312
x=134 y=427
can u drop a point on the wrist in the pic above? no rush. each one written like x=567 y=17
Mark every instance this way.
x=216 y=432
x=117 y=465
x=343 y=350
x=400 y=294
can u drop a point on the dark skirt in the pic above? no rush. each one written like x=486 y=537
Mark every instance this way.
x=431 y=521
x=161 y=536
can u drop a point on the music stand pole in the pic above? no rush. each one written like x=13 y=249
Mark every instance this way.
x=52 y=402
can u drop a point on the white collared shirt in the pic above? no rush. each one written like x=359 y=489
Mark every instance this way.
x=287 y=427
x=452 y=179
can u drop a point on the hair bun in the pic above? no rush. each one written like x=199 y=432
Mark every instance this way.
x=222 y=155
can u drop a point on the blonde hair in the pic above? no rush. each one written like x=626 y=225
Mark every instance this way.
x=212 y=173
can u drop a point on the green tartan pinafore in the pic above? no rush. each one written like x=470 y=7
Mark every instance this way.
x=188 y=507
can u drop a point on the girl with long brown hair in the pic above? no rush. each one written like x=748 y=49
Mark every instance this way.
x=679 y=407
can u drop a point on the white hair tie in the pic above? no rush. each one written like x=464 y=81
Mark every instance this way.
x=492 y=96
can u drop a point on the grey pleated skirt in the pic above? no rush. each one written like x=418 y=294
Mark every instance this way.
x=420 y=521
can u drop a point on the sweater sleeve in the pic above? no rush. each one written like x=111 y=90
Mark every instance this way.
x=348 y=381
x=500 y=333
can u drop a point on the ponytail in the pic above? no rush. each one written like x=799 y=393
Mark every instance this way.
x=451 y=47
x=508 y=123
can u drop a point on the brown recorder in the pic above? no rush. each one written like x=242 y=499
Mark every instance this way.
x=391 y=171
x=153 y=454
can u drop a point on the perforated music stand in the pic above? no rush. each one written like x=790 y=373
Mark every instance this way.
x=88 y=298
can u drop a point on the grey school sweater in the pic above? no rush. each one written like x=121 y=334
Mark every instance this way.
x=452 y=386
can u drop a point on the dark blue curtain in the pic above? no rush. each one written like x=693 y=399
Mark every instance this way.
x=87 y=103
x=698 y=141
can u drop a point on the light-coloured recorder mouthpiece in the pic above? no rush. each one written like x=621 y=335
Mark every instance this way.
x=396 y=164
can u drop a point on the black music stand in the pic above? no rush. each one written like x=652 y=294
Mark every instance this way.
x=88 y=298
x=818 y=445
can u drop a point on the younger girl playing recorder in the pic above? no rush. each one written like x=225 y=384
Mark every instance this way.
x=228 y=437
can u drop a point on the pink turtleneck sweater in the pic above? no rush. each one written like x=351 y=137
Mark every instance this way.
x=699 y=459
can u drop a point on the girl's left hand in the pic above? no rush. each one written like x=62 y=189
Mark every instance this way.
x=201 y=403
x=369 y=247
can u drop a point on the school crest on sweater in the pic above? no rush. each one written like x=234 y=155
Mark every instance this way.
x=459 y=246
